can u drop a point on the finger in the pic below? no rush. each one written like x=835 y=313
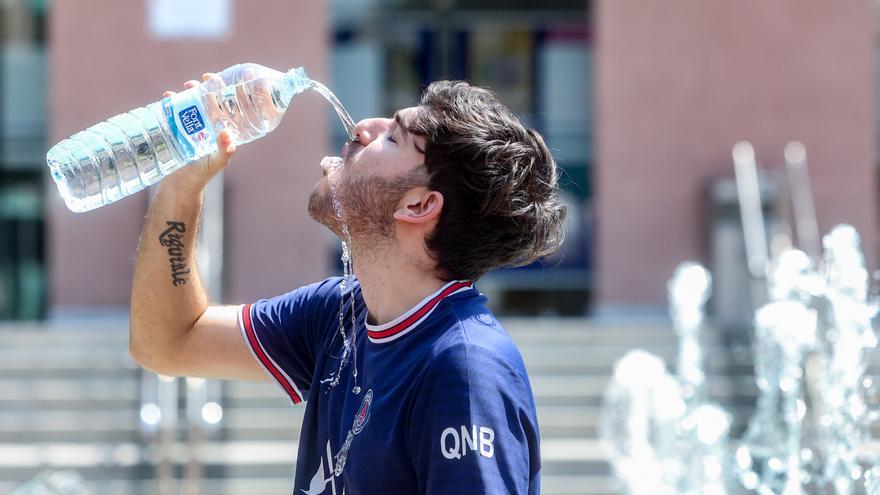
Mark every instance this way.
x=225 y=142
x=212 y=81
x=191 y=84
x=168 y=93
x=219 y=159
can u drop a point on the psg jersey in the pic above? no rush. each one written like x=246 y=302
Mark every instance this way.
x=440 y=402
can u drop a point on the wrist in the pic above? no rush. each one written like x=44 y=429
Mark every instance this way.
x=188 y=181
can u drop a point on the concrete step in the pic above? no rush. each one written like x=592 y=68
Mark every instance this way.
x=538 y=357
x=550 y=485
x=100 y=460
x=12 y=359
x=70 y=390
x=545 y=386
x=69 y=425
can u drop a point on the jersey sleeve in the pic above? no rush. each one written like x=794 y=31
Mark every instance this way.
x=473 y=427
x=284 y=334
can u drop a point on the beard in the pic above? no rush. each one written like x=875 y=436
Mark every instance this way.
x=366 y=204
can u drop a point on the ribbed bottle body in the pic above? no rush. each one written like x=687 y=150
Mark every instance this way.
x=128 y=152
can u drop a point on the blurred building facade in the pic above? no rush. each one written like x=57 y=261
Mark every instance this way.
x=377 y=56
x=23 y=122
x=676 y=85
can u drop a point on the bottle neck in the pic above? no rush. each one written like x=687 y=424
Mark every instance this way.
x=294 y=82
x=298 y=79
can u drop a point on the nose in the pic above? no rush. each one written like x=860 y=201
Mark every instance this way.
x=367 y=130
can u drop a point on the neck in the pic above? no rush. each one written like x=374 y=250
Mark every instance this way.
x=391 y=282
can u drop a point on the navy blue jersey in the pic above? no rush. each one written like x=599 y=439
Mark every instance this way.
x=444 y=403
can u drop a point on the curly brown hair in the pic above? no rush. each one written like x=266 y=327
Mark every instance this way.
x=498 y=180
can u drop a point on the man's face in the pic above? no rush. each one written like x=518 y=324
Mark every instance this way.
x=378 y=168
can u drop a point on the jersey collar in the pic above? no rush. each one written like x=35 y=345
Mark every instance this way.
x=405 y=323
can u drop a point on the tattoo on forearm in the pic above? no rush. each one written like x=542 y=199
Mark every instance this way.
x=172 y=239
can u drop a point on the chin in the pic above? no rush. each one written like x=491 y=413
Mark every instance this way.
x=321 y=207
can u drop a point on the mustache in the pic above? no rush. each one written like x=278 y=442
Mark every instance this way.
x=351 y=148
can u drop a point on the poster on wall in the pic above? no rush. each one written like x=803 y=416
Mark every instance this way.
x=192 y=19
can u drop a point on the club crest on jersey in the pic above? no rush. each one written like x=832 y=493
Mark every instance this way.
x=363 y=415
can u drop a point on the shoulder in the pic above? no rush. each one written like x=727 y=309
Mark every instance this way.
x=327 y=288
x=477 y=352
x=474 y=376
x=310 y=304
x=324 y=290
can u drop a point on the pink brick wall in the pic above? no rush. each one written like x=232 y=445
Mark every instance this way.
x=104 y=60
x=680 y=81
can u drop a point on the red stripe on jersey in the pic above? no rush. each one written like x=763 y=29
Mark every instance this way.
x=426 y=308
x=267 y=363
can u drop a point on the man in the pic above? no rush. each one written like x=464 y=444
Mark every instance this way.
x=421 y=390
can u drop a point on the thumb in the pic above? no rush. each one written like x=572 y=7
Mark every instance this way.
x=220 y=158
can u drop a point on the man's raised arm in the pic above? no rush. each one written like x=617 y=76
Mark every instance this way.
x=174 y=330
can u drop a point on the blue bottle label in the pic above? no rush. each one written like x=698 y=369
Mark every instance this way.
x=185 y=147
x=191 y=120
x=188 y=125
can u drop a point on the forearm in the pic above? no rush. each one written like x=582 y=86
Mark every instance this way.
x=167 y=296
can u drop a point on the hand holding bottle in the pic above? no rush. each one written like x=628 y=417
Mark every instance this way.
x=202 y=170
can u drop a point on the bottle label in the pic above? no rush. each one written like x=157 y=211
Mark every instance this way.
x=188 y=127
x=191 y=120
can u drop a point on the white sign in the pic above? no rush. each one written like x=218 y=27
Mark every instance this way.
x=182 y=19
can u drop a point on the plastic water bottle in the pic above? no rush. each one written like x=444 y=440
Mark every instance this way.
x=133 y=150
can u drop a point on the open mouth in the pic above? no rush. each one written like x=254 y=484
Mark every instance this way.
x=330 y=164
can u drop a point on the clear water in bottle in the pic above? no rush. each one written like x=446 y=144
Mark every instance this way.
x=133 y=150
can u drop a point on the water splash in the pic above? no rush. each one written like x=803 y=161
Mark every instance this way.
x=688 y=290
x=812 y=371
x=811 y=431
x=845 y=343
x=661 y=435
x=640 y=410
x=56 y=482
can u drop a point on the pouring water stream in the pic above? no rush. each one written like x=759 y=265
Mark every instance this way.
x=349 y=347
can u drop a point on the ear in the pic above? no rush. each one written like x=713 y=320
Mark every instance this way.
x=419 y=205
